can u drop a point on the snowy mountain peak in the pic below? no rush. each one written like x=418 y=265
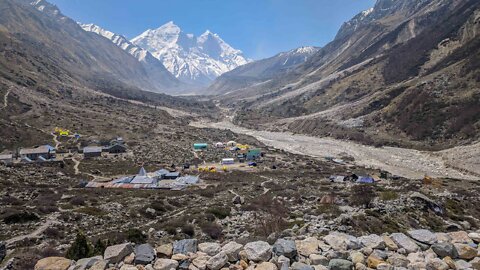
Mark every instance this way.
x=195 y=60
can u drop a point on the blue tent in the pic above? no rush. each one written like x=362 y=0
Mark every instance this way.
x=365 y=180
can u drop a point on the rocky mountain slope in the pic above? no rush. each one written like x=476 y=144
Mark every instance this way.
x=160 y=77
x=260 y=71
x=404 y=72
x=194 y=60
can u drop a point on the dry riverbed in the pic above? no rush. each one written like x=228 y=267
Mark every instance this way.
x=403 y=162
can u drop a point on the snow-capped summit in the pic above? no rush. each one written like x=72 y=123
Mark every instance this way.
x=195 y=60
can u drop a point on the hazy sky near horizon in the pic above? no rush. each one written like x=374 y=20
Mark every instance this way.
x=260 y=28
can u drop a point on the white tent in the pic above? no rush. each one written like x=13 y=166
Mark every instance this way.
x=231 y=143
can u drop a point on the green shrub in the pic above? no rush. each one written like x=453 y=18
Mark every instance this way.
x=136 y=236
x=80 y=248
x=188 y=229
x=21 y=217
x=219 y=212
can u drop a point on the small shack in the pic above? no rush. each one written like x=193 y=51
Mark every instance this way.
x=116 y=148
x=219 y=145
x=171 y=175
x=253 y=154
x=92 y=151
x=228 y=161
x=44 y=151
x=200 y=146
x=365 y=180
x=6 y=158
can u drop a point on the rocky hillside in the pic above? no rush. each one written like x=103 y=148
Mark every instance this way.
x=417 y=249
x=243 y=78
x=403 y=72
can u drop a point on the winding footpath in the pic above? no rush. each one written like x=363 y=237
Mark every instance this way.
x=51 y=220
x=408 y=163
x=5 y=98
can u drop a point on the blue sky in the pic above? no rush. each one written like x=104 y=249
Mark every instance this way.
x=260 y=28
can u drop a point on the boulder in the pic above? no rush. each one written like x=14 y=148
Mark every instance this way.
x=398 y=260
x=357 y=257
x=129 y=259
x=53 y=263
x=416 y=257
x=465 y=251
x=179 y=257
x=389 y=244
x=320 y=267
x=450 y=262
x=474 y=236
x=476 y=263
x=116 y=253
x=185 y=246
x=201 y=262
x=445 y=249
x=266 y=266
x=405 y=242
x=373 y=261
x=342 y=241
x=128 y=267
x=301 y=266
x=210 y=248
x=307 y=246
x=99 y=265
x=340 y=264
x=437 y=264
x=316 y=259
x=463 y=265
x=283 y=262
x=232 y=249
x=144 y=254
x=218 y=261
x=259 y=251
x=443 y=238
x=423 y=236
x=285 y=247
x=165 y=264
x=460 y=237
x=238 y=200
x=384 y=266
x=372 y=241
x=164 y=251
x=86 y=263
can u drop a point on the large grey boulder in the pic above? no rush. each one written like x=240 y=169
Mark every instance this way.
x=301 y=266
x=285 y=247
x=114 y=254
x=423 y=236
x=218 y=261
x=3 y=251
x=307 y=246
x=405 y=242
x=86 y=263
x=210 y=248
x=372 y=241
x=165 y=264
x=185 y=246
x=144 y=254
x=465 y=251
x=341 y=241
x=259 y=251
x=445 y=249
x=340 y=264
x=232 y=249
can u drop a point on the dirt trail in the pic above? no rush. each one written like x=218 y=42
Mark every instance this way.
x=55 y=139
x=404 y=162
x=5 y=98
x=76 y=165
x=51 y=220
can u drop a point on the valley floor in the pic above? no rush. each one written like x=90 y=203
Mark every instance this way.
x=408 y=163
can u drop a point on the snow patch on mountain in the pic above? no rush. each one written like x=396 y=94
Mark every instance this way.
x=195 y=60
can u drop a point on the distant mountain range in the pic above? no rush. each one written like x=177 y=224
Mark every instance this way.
x=193 y=60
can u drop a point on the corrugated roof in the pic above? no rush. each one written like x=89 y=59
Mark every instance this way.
x=6 y=156
x=44 y=149
x=92 y=149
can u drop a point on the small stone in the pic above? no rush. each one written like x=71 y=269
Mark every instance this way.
x=373 y=261
x=259 y=251
x=450 y=262
x=128 y=267
x=465 y=251
x=283 y=262
x=99 y=265
x=476 y=263
x=405 y=242
x=218 y=261
x=285 y=247
x=53 y=263
x=210 y=248
x=320 y=267
x=185 y=246
x=165 y=264
x=316 y=259
x=443 y=238
x=437 y=264
x=129 y=259
x=398 y=260
x=243 y=264
x=372 y=241
x=460 y=237
x=463 y=265
x=340 y=264
x=423 y=236
x=301 y=266
x=475 y=237
x=357 y=257
x=266 y=266
x=389 y=243
x=164 y=251
x=307 y=246
x=360 y=266
x=179 y=257
x=384 y=266
x=232 y=249
x=86 y=263
x=116 y=253
x=201 y=262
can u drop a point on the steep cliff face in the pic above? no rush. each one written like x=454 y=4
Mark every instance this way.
x=403 y=71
